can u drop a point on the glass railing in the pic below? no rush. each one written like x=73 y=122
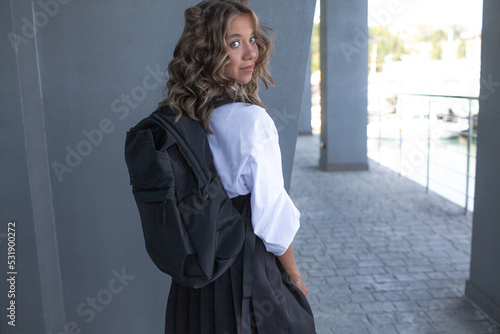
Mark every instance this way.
x=430 y=139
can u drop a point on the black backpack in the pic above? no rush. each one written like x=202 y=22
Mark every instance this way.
x=191 y=228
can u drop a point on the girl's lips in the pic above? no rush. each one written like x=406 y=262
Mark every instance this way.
x=248 y=69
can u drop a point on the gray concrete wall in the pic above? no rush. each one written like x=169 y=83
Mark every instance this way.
x=15 y=197
x=483 y=287
x=344 y=84
x=101 y=66
x=69 y=94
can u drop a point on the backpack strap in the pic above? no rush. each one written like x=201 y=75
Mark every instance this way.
x=247 y=277
x=245 y=326
x=242 y=203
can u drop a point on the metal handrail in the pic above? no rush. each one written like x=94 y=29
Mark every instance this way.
x=470 y=135
x=433 y=95
x=452 y=170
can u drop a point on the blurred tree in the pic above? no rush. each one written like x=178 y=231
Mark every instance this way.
x=388 y=45
x=315 y=49
x=461 y=52
x=437 y=50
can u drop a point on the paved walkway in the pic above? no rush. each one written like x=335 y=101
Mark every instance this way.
x=379 y=254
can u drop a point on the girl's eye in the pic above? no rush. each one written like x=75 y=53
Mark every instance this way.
x=252 y=40
x=235 y=44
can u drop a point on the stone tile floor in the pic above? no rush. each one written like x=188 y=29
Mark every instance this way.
x=379 y=254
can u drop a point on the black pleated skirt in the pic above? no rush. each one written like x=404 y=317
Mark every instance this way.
x=277 y=306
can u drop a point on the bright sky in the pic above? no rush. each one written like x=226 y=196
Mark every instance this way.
x=395 y=13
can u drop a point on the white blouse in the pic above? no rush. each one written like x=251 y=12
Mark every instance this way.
x=247 y=156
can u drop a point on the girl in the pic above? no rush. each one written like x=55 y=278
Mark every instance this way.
x=224 y=52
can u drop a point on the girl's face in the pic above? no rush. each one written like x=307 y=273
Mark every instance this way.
x=242 y=49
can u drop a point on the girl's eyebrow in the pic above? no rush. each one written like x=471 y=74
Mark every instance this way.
x=238 y=35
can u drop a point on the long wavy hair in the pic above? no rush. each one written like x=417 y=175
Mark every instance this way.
x=196 y=73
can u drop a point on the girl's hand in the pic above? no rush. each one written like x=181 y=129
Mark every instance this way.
x=299 y=283
x=287 y=260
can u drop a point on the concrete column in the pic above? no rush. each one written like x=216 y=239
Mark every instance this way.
x=292 y=30
x=344 y=85
x=305 y=127
x=483 y=287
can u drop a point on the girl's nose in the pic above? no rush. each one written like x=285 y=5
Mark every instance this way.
x=251 y=51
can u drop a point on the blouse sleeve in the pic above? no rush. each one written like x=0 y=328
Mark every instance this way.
x=275 y=218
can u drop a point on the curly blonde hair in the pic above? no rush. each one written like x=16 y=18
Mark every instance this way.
x=196 y=74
